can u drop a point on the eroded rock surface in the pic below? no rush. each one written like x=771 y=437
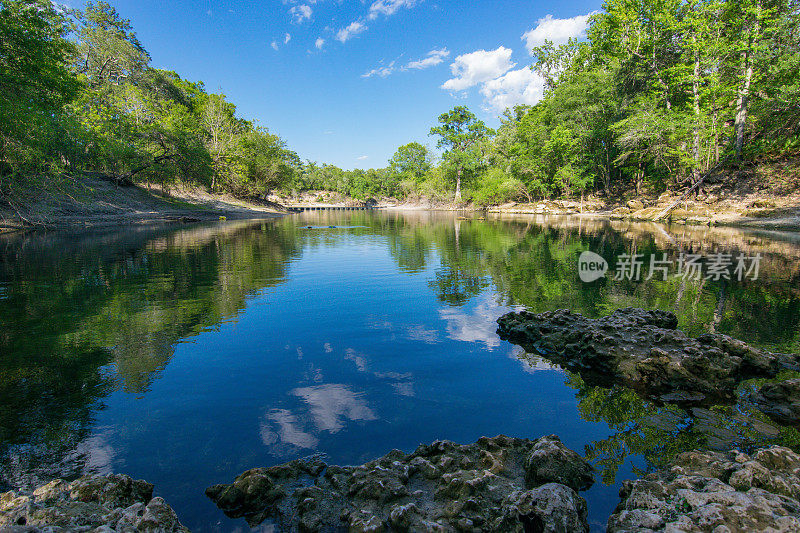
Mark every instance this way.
x=780 y=401
x=715 y=492
x=495 y=484
x=91 y=503
x=642 y=349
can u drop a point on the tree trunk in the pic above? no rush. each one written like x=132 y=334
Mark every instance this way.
x=696 y=130
x=458 y=186
x=741 y=105
x=744 y=89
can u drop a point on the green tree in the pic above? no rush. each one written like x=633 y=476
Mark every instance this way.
x=35 y=83
x=459 y=133
x=108 y=50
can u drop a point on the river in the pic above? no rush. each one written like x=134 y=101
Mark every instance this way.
x=187 y=354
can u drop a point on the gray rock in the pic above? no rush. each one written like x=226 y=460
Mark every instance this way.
x=551 y=461
x=642 y=350
x=780 y=401
x=551 y=507
x=495 y=484
x=113 y=503
x=714 y=491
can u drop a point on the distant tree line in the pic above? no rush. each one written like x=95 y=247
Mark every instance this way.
x=660 y=93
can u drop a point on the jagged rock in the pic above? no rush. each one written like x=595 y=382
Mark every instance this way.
x=92 y=503
x=714 y=491
x=642 y=350
x=780 y=401
x=495 y=484
x=552 y=507
x=550 y=461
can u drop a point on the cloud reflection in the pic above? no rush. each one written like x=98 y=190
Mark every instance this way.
x=479 y=325
x=288 y=431
x=332 y=404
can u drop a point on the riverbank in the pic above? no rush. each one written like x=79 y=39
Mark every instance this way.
x=87 y=202
x=763 y=195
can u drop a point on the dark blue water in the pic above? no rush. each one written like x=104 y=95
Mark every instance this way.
x=186 y=355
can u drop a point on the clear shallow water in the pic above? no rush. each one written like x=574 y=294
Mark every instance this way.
x=187 y=355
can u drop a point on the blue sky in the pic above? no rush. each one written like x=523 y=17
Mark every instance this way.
x=345 y=81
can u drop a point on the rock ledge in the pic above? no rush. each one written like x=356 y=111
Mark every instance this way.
x=100 y=504
x=642 y=350
x=495 y=484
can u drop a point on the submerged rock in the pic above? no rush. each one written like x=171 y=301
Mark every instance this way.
x=495 y=484
x=642 y=350
x=92 y=503
x=713 y=491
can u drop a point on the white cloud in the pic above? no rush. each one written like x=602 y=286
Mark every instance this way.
x=478 y=67
x=388 y=7
x=521 y=86
x=558 y=31
x=300 y=13
x=319 y=43
x=381 y=72
x=433 y=58
x=362 y=157
x=350 y=31
x=287 y=38
x=274 y=45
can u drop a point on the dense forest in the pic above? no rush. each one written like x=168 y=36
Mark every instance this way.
x=660 y=93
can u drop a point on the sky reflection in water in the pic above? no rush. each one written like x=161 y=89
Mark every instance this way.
x=185 y=356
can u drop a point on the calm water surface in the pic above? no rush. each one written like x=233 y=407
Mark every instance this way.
x=186 y=355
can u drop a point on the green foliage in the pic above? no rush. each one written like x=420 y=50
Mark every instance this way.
x=96 y=105
x=35 y=83
x=108 y=51
x=497 y=187
x=408 y=168
x=463 y=136
x=660 y=93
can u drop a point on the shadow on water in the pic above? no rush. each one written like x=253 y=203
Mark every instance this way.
x=231 y=345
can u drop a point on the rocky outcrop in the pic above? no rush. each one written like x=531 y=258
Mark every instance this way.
x=780 y=401
x=642 y=350
x=495 y=484
x=92 y=503
x=713 y=491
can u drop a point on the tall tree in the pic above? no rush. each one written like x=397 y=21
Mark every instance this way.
x=108 y=49
x=460 y=132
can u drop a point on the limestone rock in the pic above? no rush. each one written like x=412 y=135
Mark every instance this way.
x=780 y=401
x=92 y=503
x=714 y=491
x=642 y=350
x=495 y=484
x=552 y=507
x=635 y=205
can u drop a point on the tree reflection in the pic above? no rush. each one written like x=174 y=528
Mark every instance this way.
x=658 y=433
x=83 y=315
